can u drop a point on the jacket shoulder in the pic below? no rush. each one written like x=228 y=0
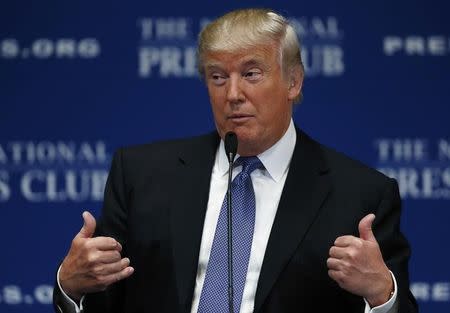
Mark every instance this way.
x=354 y=176
x=166 y=150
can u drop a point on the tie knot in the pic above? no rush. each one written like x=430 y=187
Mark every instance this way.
x=249 y=164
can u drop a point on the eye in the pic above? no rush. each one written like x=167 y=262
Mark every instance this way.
x=217 y=78
x=253 y=74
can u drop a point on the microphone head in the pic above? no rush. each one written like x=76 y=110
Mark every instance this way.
x=231 y=145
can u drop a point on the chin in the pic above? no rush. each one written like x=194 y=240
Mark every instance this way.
x=249 y=144
x=245 y=135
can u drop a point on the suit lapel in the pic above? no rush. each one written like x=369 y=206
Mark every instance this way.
x=187 y=212
x=305 y=189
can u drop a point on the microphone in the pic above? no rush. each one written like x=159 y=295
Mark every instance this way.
x=231 y=145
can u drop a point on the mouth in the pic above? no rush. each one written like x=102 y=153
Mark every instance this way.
x=240 y=118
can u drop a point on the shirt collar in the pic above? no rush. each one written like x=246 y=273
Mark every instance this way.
x=276 y=159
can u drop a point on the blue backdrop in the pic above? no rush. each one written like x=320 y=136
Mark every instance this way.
x=79 y=79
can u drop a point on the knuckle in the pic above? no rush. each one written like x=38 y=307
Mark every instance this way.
x=350 y=254
x=111 y=242
x=98 y=269
x=112 y=258
x=359 y=244
x=87 y=244
x=340 y=278
x=98 y=280
x=106 y=256
x=91 y=258
x=101 y=282
x=345 y=268
x=337 y=276
x=113 y=268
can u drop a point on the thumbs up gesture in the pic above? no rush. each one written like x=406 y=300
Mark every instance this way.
x=92 y=264
x=357 y=265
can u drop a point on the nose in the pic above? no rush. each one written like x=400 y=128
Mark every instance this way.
x=235 y=94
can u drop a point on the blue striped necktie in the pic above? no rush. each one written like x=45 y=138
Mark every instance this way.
x=214 y=296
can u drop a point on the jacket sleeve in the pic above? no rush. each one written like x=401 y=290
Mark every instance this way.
x=393 y=245
x=112 y=223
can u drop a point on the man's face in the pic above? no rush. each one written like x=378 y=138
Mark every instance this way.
x=250 y=96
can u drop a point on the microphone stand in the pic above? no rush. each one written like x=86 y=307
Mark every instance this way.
x=230 y=238
x=231 y=145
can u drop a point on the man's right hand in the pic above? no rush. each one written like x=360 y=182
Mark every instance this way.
x=92 y=264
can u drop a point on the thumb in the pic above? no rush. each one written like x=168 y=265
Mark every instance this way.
x=365 y=228
x=88 y=227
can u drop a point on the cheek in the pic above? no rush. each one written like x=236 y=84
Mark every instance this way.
x=217 y=107
x=267 y=103
x=216 y=96
x=216 y=103
x=273 y=108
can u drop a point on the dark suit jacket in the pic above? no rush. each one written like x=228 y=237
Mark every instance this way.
x=155 y=203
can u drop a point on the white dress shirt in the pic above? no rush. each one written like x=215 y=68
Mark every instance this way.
x=268 y=185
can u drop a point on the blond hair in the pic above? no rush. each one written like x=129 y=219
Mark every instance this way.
x=248 y=28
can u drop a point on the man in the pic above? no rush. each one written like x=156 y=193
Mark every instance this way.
x=159 y=246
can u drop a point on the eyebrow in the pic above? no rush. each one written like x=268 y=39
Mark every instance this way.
x=251 y=62
x=213 y=66
x=257 y=62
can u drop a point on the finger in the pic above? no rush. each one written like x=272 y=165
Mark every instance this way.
x=110 y=256
x=338 y=252
x=88 y=228
x=104 y=244
x=111 y=268
x=112 y=278
x=365 y=228
x=345 y=241
x=334 y=264
x=336 y=275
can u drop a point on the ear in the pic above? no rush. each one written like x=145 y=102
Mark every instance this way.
x=295 y=82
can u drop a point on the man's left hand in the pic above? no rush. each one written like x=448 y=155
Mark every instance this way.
x=357 y=265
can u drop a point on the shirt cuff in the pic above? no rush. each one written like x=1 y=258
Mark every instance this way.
x=389 y=307
x=68 y=300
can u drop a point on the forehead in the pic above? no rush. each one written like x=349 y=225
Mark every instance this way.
x=266 y=55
